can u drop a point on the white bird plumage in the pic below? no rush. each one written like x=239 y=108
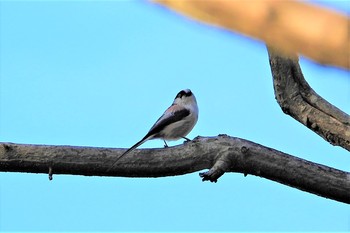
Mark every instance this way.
x=175 y=123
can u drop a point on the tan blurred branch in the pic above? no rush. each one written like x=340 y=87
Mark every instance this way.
x=290 y=26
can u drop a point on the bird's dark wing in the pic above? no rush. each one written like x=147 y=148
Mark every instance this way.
x=173 y=114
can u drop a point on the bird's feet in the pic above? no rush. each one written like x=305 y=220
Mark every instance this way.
x=165 y=145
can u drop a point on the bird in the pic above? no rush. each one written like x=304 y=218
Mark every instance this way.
x=175 y=123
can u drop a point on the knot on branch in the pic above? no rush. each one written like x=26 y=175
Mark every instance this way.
x=6 y=148
x=244 y=150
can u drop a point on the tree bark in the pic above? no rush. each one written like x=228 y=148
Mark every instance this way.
x=301 y=102
x=219 y=154
x=290 y=26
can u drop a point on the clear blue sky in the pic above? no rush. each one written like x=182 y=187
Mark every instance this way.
x=100 y=74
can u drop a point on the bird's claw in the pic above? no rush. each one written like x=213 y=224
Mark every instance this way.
x=165 y=144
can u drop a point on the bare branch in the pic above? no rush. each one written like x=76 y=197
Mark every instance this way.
x=219 y=154
x=291 y=26
x=301 y=102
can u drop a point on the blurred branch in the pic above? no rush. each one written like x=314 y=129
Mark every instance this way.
x=301 y=102
x=290 y=26
x=219 y=154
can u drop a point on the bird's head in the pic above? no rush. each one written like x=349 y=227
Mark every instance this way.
x=185 y=97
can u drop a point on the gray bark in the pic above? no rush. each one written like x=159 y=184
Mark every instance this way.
x=218 y=154
x=301 y=102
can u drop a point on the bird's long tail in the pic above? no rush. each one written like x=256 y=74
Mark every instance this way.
x=129 y=150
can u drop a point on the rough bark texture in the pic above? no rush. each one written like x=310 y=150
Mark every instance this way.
x=219 y=154
x=300 y=101
x=291 y=26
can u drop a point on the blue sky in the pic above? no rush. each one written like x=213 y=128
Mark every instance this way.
x=100 y=73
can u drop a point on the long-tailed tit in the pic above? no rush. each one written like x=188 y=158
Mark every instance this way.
x=175 y=123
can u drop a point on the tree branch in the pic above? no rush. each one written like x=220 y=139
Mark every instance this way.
x=301 y=102
x=219 y=154
x=290 y=26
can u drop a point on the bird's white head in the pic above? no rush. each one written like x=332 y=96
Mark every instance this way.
x=185 y=98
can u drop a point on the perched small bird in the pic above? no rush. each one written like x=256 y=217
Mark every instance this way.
x=175 y=123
